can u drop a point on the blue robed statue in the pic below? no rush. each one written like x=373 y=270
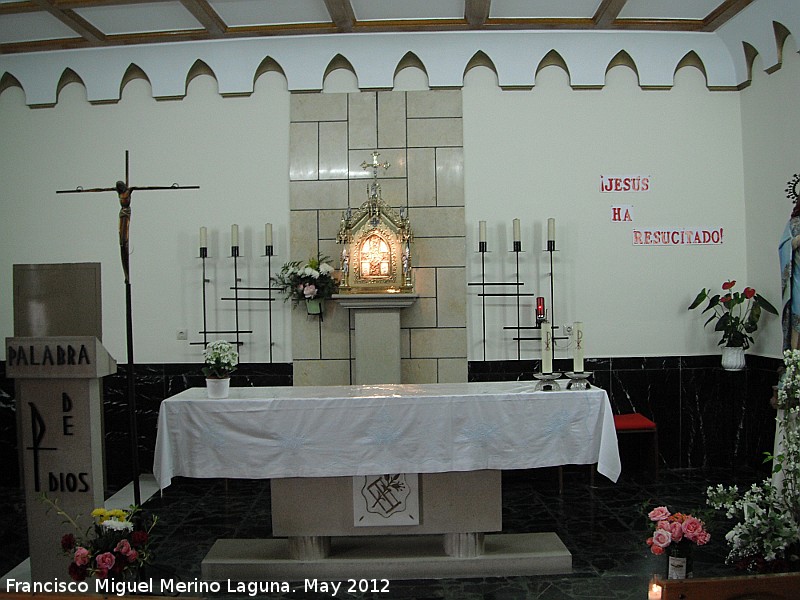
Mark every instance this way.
x=790 y=279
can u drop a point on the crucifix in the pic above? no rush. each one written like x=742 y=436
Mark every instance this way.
x=124 y=192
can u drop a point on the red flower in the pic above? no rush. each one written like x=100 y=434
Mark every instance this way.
x=726 y=298
x=77 y=573
x=67 y=542
x=728 y=284
x=139 y=538
x=749 y=292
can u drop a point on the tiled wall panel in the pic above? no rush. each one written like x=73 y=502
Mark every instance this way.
x=421 y=135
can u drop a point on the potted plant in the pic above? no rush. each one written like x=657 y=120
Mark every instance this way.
x=221 y=359
x=736 y=316
x=311 y=283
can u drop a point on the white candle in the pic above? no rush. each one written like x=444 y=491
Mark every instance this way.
x=235 y=235
x=551 y=230
x=203 y=237
x=268 y=234
x=654 y=592
x=516 y=230
x=547 y=345
x=577 y=358
x=481 y=231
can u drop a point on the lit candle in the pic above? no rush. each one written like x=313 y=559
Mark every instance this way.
x=203 y=237
x=577 y=359
x=481 y=231
x=540 y=313
x=551 y=230
x=516 y=230
x=235 y=236
x=268 y=234
x=547 y=344
x=654 y=592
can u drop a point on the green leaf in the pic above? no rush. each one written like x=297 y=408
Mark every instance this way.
x=714 y=301
x=699 y=299
x=764 y=303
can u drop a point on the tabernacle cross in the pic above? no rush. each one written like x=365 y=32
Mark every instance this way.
x=124 y=192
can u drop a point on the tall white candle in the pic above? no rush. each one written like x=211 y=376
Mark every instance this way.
x=235 y=235
x=516 y=230
x=577 y=357
x=547 y=347
x=203 y=237
x=481 y=231
x=268 y=234
x=551 y=230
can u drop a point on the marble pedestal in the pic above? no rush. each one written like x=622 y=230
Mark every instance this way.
x=377 y=334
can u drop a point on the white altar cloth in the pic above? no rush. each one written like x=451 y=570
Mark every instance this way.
x=327 y=431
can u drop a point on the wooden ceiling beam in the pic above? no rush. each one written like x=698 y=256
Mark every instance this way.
x=724 y=13
x=74 y=21
x=207 y=16
x=607 y=13
x=342 y=15
x=476 y=12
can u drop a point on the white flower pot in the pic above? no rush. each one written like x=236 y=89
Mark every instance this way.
x=218 y=388
x=733 y=358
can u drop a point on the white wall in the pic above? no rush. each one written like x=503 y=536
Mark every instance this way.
x=528 y=154
x=540 y=153
x=771 y=133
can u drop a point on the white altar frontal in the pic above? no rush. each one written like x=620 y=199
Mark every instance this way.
x=312 y=441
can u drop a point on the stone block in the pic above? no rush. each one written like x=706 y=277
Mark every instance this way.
x=440 y=252
x=451 y=297
x=416 y=370
x=313 y=195
x=321 y=372
x=453 y=370
x=393 y=192
x=434 y=221
x=424 y=280
x=303 y=151
x=301 y=244
x=396 y=157
x=435 y=132
x=335 y=332
x=420 y=314
x=305 y=334
x=439 y=343
x=363 y=120
x=434 y=103
x=450 y=176
x=317 y=107
x=421 y=177
x=333 y=153
x=391 y=119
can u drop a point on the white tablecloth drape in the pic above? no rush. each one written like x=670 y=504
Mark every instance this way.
x=260 y=433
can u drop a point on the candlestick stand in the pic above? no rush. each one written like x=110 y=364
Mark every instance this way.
x=205 y=281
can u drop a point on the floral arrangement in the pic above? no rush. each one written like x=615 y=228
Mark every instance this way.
x=314 y=280
x=766 y=533
x=116 y=544
x=736 y=313
x=675 y=531
x=221 y=359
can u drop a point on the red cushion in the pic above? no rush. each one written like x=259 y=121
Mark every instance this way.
x=633 y=421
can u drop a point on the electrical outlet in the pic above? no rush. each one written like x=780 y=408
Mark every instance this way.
x=568 y=329
x=182 y=334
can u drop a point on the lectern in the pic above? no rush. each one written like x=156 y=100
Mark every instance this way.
x=61 y=412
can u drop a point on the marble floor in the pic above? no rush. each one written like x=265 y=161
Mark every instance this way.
x=603 y=525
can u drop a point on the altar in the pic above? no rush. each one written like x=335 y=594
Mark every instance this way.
x=311 y=441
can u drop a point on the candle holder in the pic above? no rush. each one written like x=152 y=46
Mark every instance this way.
x=547 y=382
x=579 y=381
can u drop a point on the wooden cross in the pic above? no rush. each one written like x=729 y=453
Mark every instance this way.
x=124 y=191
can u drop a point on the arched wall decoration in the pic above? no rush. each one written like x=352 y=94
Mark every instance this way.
x=375 y=57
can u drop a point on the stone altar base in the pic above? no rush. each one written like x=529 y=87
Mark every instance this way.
x=369 y=557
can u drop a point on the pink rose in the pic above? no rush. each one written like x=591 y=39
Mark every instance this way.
x=81 y=556
x=659 y=514
x=702 y=538
x=661 y=538
x=105 y=561
x=310 y=290
x=132 y=556
x=675 y=530
x=692 y=526
x=123 y=547
x=657 y=550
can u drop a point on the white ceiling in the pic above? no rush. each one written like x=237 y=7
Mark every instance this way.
x=35 y=25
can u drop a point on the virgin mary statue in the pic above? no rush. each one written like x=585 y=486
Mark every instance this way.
x=790 y=273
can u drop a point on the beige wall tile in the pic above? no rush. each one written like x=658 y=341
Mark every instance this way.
x=303 y=231
x=451 y=297
x=329 y=221
x=450 y=176
x=434 y=103
x=335 y=331
x=363 y=119
x=391 y=119
x=421 y=177
x=333 y=150
x=329 y=248
x=303 y=151
x=305 y=195
x=435 y=132
x=439 y=252
x=321 y=372
x=420 y=314
x=437 y=222
x=405 y=343
x=318 y=107
x=439 y=343
x=418 y=371
x=305 y=334
x=453 y=370
x=424 y=279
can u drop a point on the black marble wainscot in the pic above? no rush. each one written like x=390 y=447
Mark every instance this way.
x=706 y=417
